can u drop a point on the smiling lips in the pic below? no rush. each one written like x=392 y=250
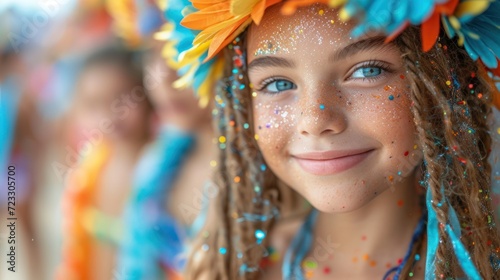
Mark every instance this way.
x=331 y=162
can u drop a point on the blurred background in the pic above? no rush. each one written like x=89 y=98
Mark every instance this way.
x=69 y=70
x=68 y=85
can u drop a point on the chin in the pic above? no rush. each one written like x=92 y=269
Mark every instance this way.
x=338 y=199
x=333 y=207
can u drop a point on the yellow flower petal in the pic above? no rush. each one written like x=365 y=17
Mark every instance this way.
x=472 y=7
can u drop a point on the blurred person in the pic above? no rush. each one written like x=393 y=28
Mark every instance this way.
x=19 y=150
x=172 y=183
x=65 y=42
x=111 y=121
x=168 y=203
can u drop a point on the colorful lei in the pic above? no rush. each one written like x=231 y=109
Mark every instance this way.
x=80 y=216
x=198 y=32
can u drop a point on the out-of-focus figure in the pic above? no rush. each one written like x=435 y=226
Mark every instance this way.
x=110 y=122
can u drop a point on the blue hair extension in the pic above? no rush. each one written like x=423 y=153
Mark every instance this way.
x=463 y=256
x=432 y=237
x=300 y=246
x=454 y=233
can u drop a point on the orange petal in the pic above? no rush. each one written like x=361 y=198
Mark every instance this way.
x=496 y=71
x=496 y=99
x=207 y=17
x=258 y=11
x=212 y=31
x=448 y=8
x=430 y=31
x=202 y=4
x=222 y=38
x=291 y=6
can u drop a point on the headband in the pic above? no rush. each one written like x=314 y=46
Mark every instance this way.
x=198 y=31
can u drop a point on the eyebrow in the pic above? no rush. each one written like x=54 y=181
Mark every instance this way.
x=349 y=50
x=359 y=46
x=271 y=61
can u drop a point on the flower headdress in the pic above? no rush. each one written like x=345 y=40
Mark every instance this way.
x=204 y=27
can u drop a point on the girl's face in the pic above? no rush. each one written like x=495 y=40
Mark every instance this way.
x=110 y=102
x=175 y=106
x=331 y=113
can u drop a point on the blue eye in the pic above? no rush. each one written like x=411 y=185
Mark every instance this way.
x=367 y=72
x=279 y=85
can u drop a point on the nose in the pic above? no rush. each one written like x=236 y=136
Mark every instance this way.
x=321 y=114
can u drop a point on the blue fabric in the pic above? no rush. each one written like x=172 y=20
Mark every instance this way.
x=9 y=102
x=300 y=246
x=416 y=234
x=152 y=236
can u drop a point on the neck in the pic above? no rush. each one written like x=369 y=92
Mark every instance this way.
x=379 y=232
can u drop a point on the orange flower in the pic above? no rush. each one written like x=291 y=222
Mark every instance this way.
x=430 y=27
x=221 y=21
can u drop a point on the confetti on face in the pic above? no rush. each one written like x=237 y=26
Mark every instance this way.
x=302 y=104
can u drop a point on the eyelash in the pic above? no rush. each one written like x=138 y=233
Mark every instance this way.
x=370 y=63
x=375 y=64
x=267 y=82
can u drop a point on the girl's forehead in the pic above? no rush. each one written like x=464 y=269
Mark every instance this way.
x=317 y=24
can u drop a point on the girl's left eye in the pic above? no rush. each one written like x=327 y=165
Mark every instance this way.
x=367 y=72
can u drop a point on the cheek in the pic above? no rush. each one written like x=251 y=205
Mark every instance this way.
x=391 y=123
x=273 y=125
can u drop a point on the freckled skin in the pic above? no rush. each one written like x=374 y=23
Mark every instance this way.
x=355 y=113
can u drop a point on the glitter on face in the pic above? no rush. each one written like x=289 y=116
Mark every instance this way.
x=391 y=97
x=267 y=48
x=330 y=92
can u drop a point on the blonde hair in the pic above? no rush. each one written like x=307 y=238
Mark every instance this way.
x=451 y=100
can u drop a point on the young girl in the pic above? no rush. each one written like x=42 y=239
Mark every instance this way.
x=161 y=216
x=361 y=124
x=162 y=212
x=111 y=121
